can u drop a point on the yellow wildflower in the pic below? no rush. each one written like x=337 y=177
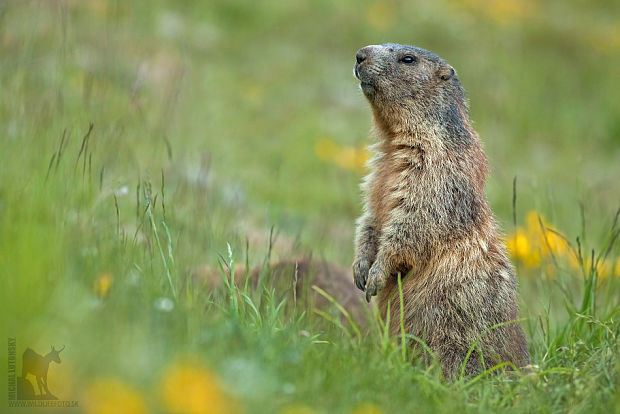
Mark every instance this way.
x=533 y=259
x=186 y=388
x=554 y=244
x=544 y=239
x=346 y=157
x=534 y=245
x=532 y=221
x=102 y=284
x=517 y=244
x=350 y=158
x=112 y=396
x=520 y=248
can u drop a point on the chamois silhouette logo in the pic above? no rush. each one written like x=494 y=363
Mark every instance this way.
x=37 y=365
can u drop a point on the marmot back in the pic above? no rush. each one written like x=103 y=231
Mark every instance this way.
x=427 y=218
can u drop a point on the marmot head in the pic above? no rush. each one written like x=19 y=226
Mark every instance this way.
x=405 y=84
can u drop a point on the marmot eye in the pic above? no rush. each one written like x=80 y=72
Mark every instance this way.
x=408 y=59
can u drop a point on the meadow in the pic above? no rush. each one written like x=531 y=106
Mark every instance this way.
x=141 y=141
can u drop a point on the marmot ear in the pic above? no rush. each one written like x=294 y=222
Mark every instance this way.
x=446 y=72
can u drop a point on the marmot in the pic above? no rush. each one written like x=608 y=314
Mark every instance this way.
x=426 y=216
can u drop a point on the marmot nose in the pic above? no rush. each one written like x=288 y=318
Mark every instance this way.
x=360 y=56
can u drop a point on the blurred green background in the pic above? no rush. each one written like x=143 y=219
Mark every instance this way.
x=235 y=117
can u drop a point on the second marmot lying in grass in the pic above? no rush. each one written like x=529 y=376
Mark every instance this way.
x=426 y=216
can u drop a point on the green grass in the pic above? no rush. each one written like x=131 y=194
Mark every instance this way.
x=205 y=117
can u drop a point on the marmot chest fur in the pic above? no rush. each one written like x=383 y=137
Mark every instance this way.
x=427 y=218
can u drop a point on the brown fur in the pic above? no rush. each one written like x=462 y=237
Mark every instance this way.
x=426 y=215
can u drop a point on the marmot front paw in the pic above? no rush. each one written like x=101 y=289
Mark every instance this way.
x=361 y=266
x=377 y=277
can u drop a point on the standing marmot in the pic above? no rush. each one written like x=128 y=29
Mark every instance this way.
x=426 y=215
